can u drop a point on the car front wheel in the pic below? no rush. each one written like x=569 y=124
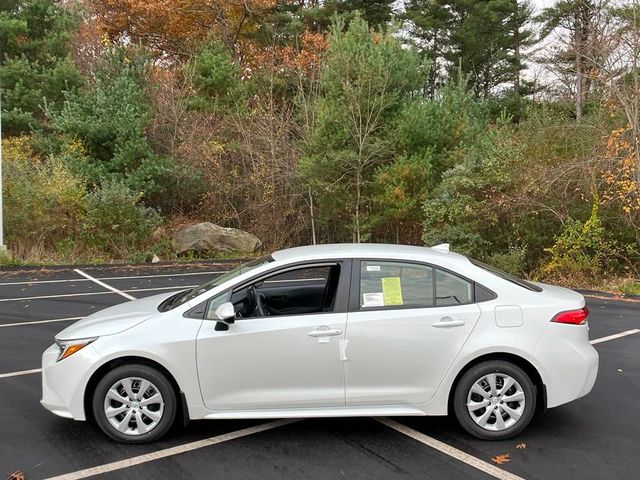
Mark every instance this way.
x=134 y=404
x=494 y=400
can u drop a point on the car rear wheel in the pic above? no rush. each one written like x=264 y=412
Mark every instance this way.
x=134 y=404
x=494 y=400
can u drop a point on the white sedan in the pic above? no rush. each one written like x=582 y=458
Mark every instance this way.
x=329 y=331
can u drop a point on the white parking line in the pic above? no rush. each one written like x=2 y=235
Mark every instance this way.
x=104 y=285
x=125 y=292
x=451 y=451
x=18 y=324
x=614 y=336
x=177 y=288
x=23 y=372
x=73 y=280
x=169 y=452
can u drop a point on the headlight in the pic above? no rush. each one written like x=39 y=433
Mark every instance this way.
x=69 y=347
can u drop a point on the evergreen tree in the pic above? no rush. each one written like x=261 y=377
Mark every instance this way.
x=576 y=52
x=430 y=22
x=36 y=68
x=480 y=39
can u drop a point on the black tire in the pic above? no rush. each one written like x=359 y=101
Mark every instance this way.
x=476 y=373
x=144 y=372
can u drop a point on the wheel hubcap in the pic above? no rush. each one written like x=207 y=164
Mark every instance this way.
x=496 y=401
x=133 y=406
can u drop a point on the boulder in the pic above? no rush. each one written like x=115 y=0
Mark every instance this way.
x=210 y=237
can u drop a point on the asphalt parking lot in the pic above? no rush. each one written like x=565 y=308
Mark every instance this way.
x=595 y=437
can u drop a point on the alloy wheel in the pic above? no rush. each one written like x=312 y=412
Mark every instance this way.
x=133 y=406
x=496 y=402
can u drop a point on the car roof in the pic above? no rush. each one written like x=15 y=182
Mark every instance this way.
x=361 y=250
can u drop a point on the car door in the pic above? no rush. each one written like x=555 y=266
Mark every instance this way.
x=407 y=323
x=281 y=361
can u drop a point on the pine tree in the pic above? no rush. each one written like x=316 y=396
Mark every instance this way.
x=574 y=22
x=36 y=68
x=480 y=39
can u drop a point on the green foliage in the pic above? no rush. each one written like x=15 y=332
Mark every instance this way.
x=513 y=260
x=216 y=78
x=629 y=287
x=43 y=199
x=583 y=250
x=109 y=118
x=440 y=126
x=35 y=66
x=367 y=80
x=481 y=39
x=461 y=210
x=116 y=222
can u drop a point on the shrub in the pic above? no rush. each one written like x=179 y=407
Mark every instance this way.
x=44 y=200
x=582 y=252
x=116 y=222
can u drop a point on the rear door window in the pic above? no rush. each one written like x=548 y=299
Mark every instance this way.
x=395 y=285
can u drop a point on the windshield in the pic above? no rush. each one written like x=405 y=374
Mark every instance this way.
x=187 y=295
x=506 y=276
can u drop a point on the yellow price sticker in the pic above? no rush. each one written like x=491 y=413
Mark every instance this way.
x=392 y=291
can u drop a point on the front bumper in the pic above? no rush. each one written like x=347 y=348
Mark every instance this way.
x=64 y=382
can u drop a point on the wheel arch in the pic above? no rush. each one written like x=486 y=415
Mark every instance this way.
x=183 y=410
x=517 y=360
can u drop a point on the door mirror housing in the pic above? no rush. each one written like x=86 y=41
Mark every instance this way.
x=226 y=313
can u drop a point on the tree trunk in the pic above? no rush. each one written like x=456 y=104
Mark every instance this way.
x=578 y=53
x=516 y=49
x=357 y=212
x=313 y=218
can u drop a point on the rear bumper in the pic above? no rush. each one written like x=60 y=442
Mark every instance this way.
x=570 y=363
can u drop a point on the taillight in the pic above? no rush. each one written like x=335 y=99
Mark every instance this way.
x=572 y=317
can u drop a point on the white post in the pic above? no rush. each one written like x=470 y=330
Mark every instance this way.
x=3 y=247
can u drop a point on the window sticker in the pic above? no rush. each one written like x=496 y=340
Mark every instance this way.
x=392 y=291
x=373 y=299
x=373 y=268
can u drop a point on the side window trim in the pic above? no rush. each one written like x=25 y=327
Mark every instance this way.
x=342 y=294
x=354 y=291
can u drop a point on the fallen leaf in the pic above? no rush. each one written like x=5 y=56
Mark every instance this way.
x=17 y=475
x=521 y=446
x=501 y=459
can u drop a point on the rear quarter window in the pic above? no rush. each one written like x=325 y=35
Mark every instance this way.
x=506 y=276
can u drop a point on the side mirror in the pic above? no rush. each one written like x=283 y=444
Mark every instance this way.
x=226 y=313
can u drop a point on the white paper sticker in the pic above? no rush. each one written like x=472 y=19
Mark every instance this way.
x=373 y=299
x=373 y=268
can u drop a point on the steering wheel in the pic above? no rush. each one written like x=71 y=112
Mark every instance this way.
x=261 y=305
x=257 y=299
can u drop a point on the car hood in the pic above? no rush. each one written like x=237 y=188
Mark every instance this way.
x=115 y=319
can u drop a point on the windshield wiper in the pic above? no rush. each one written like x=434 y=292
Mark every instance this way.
x=172 y=300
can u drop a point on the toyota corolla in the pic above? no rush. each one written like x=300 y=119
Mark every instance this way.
x=329 y=331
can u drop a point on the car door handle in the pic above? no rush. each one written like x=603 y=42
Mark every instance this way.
x=325 y=332
x=448 y=322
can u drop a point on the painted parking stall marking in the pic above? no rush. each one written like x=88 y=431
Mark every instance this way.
x=35 y=322
x=450 y=451
x=18 y=374
x=131 y=277
x=614 y=336
x=104 y=285
x=169 y=452
x=124 y=293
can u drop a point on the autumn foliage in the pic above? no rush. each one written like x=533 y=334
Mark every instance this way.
x=177 y=27
x=324 y=121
